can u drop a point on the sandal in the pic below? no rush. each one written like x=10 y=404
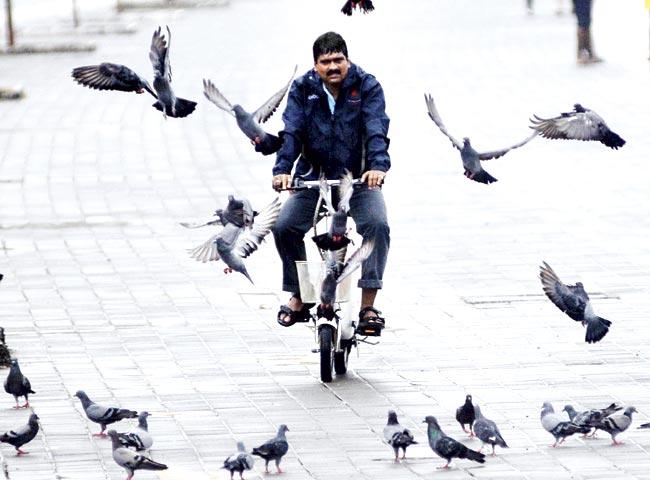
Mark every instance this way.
x=287 y=317
x=370 y=326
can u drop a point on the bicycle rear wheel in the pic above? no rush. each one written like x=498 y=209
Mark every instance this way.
x=326 y=344
x=341 y=358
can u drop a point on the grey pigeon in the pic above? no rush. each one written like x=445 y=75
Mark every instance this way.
x=239 y=461
x=615 y=424
x=590 y=418
x=580 y=124
x=22 y=435
x=471 y=158
x=249 y=123
x=274 y=449
x=233 y=244
x=558 y=425
x=238 y=212
x=336 y=237
x=446 y=447
x=17 y=384
x=364 y=6
x=465 y=415
x=167 y=103
x=397 y=436
x=103 y=415
x=111 y=76
x=487 y=431
x=139 y=437
x=130 y=460
x=574 y=301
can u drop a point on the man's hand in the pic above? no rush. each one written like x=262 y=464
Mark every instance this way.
x=281 y=181
x=374 y=178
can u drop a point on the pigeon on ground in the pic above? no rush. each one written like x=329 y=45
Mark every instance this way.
x=22 y=435
x=446 y=447
x=234 y=243
x=239 y=461
x=615 y=424
x=139 y=437
x=558 y=426
x=274 y=449
x=364 y=6
x=471 y=158
x=336 y=237
x=590 y=418
x=397 y=436
x=17 y=384
x=574 y=301
x=580 y=124
x=465 y=415
x=111 y=76
x=487 y=431
x=167 y=103
x=130 y=460
x=238 y=212
x=249 y=123
x=103 y=415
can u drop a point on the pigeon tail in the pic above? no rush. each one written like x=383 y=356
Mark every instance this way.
x=596 y=329
x=366 y=6
x=612 y=140
x=148 y=464
x=482 y=177
x=184 y=107
x=347 y=8
x=473 y=455
x=500 y=441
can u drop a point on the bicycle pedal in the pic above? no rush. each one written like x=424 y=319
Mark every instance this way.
x=315 y=350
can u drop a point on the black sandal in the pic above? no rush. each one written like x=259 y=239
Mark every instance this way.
x=287 y=317
x=370 y=326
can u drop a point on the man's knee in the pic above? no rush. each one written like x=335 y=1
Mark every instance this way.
x=375 y=227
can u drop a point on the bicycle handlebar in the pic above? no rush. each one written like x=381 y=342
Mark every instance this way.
x=300 y=184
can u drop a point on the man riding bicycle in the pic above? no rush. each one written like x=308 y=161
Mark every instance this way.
x=335 y=121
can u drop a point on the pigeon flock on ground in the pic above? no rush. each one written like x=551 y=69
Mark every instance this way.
x=242 y=230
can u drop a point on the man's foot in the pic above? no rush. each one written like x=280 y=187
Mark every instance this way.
x=294 y=311
x=370 y=323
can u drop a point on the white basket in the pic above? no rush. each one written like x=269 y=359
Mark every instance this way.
x=310 y=277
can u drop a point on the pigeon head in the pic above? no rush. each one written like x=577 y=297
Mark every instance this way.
x=81 y=395
x=468 y=399
x=569 y=409
x=392 y=417
x=477 y=411
x=628 y=411
x=33 y=418
x=431 y=422
x=239 y=111
x=466 y=142
x=282 y=429
x=240 y=447
x=579 y=108
x=546 y=409
x=14 y=362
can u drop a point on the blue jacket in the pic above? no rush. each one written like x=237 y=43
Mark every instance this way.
x=353 y=138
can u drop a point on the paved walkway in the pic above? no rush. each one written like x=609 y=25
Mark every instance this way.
x=100 y=295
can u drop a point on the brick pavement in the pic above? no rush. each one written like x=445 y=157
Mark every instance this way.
x=100 y=295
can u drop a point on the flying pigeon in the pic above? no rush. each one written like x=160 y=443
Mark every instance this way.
x=167 y=103
x=111 y=76
x=17 y=384
x=644 y=425
x=465 y=415
x=238 y=212
x=233 y=243
x=274 y=449
x=446 y=447
x=22 y=435
x=574 y=301
x=590 y=418
x=471 y=158
x=364 y=6
x=336 y=238
x=139 y=437
x=249 y=123
x=130 y=460
x=615 y=424
x=239 y=461
x=1 y=277
x=580 y=124
x=103 y=415
x=487 y=431
x=558 y=425
x=397 y=436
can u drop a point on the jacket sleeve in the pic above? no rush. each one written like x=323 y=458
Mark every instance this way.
x=292 y=135
x=376 y=123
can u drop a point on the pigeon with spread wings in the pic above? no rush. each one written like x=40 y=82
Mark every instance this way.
x=364 y=6
x=471 y=158
x=111 y=76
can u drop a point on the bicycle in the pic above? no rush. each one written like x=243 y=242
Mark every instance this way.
x=334 y=332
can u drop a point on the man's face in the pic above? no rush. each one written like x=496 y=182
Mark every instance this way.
x=332 y=68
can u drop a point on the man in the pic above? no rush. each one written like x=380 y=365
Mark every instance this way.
x=334 y=121
x=586 y=54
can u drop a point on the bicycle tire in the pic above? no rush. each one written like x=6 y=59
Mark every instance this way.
x=325 y=342
x=341 y=360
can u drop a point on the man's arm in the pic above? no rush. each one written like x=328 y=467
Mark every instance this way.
x=375 y=122
x=292 y=135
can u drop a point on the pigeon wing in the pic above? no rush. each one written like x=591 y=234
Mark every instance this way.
x=263 y=113
x=159 y=54
x=324 y=190
x=435 y=116
x=356 y=259
x=345 y=192
x=213 y=94
x=110 y=76
x=503 y=151
x=574 y=126
x=207 y=251
x=572 y=300
x=252 y=237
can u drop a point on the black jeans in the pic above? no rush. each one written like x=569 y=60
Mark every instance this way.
x=367 y=208
x=583 y=12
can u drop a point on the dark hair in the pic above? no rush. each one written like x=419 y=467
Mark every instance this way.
x=330 y=42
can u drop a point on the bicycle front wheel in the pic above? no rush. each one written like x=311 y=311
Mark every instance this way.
x=326 y=344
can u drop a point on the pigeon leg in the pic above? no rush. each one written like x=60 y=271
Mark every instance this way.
x=593 y=435
x=614 y=442
x=471 y=432
x=463 y=427
x=100 y=434
x=227 y=270
x=554 y=445
x=444 y=467
x=493 y=452
x=130 y=474
x=404 y=454
x=26 y=404
x=20 y=452
x=277 y=465
x=241 y=475
x=563 y=439
x=266 y=467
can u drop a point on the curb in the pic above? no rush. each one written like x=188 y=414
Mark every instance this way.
x=55 y=48
x=154 y=4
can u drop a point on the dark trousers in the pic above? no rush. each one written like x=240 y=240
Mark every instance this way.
x=368 y=210
x=583 y=12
